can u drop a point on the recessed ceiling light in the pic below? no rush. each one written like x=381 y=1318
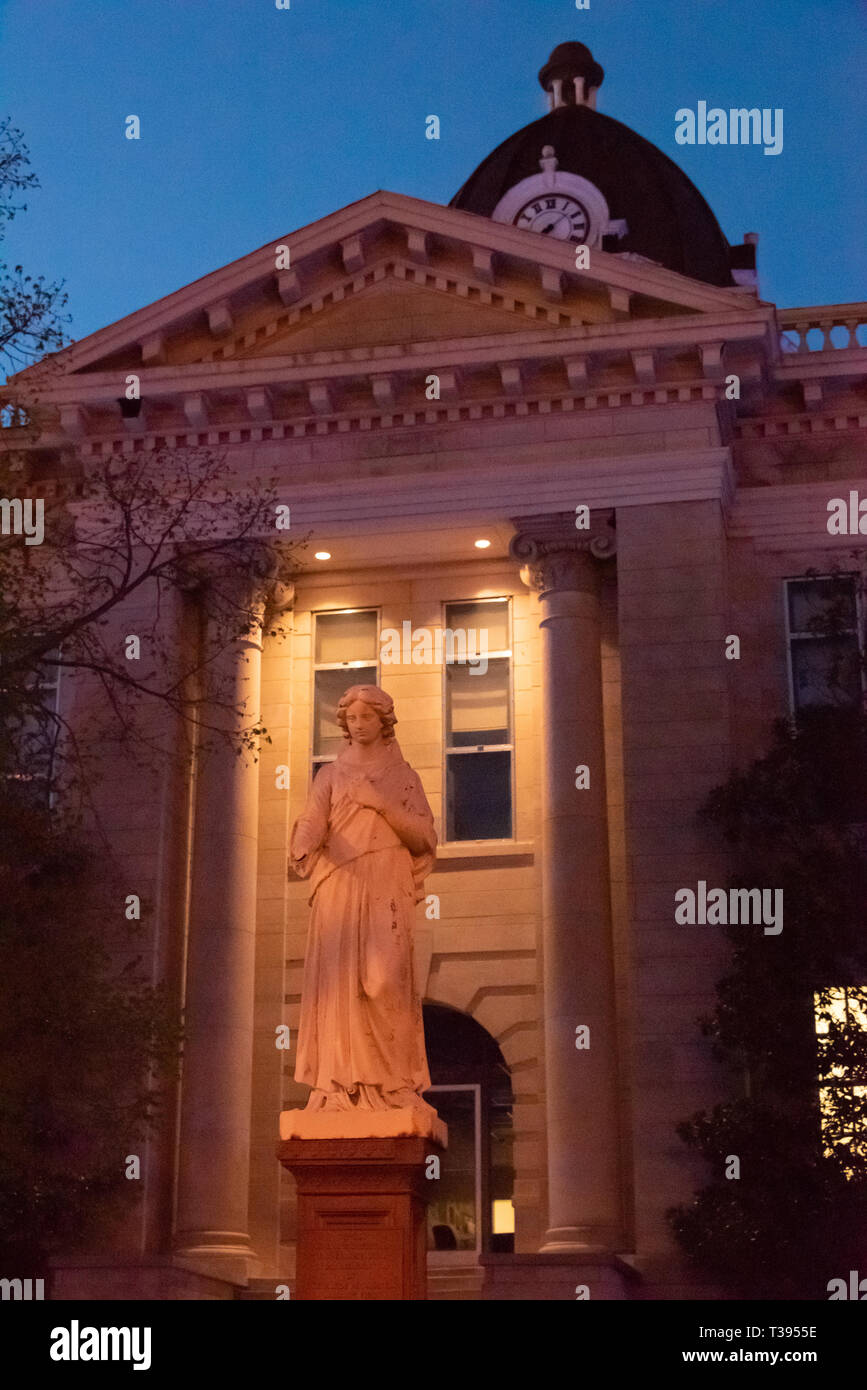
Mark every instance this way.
x=481 y=545
x=322 y=555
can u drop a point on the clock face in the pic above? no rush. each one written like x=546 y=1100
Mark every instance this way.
x=555 y=214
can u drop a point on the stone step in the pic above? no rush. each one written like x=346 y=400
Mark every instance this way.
x=261 y=1291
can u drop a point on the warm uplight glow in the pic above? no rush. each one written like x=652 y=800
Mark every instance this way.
x=322 y=555
x=503 y=1217
x=481 y=545
x=845 y=1009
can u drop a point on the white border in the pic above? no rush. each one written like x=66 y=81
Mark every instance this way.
x=571 y=185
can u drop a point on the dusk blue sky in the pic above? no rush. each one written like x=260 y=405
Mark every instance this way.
x=256 y=121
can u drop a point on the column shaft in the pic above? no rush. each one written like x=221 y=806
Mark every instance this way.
x=214 y=1163
x=581 y=1083
x=581 y=1094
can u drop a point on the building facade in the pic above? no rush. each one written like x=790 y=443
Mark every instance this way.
x=571 y=365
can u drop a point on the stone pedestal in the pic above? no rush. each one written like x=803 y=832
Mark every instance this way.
x=361 y=1216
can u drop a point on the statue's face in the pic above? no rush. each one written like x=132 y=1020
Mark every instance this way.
x=363 y=723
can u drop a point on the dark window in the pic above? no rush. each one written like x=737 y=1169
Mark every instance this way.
x=825 y=642
x=478 y=788
x=32 y=730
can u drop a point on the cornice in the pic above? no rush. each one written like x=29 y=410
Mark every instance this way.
x=240 y=432
x=794 y=517
x=417 y=359
x=302 y=393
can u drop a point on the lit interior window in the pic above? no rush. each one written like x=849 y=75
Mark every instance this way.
x=503 y=1217
x=841 y=1030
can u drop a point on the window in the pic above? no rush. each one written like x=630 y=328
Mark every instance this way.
x=824 y=635
x=33 y=735
x=478 y=716
x=345 y=653
x=472 y=1209
x=455 y=1210
x=13 y=416
x=841 y=1027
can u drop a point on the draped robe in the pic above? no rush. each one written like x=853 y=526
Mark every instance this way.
x=361 y=1037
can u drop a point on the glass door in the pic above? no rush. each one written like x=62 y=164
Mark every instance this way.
x=455 y=1204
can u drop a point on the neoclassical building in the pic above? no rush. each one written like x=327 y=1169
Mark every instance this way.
x=558 y=417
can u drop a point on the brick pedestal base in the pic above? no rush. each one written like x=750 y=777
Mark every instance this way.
x=361 y=1216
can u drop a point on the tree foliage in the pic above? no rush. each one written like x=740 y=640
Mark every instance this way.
x=796 y=1216
x=87 y=1043
x=31 y=322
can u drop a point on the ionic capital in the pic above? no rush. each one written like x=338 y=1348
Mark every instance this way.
x=251 y=578
x=557 y=557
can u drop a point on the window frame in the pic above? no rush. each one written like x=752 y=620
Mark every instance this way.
x=438 y=1258
x=44 y=686
x=855 y=1084
x=510 y=748
x=797 y=636
x=315 y=760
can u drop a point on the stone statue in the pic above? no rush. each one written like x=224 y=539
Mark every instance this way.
x=366 y=841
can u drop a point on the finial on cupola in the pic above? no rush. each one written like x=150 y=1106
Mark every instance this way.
x=571 y=76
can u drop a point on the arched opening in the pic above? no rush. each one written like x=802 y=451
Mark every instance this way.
x=471 y=1209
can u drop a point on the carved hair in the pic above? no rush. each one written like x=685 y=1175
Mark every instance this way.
x=377 y=699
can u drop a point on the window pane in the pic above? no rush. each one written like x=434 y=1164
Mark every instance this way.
x=328 y=737
x=491 y=618
x=452 y=1217
x=479 y=796
x=824 y=606
x=841 y=1027
x=345 y=637
x=477 y=704
x=826 y=671
x=502 y=1178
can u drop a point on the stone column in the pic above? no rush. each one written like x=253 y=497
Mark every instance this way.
x=214 y=1150
x=584 y=1188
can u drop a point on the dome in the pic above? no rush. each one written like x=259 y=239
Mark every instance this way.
x=666 y=218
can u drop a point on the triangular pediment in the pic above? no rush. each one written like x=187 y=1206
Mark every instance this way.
x=390 y=271
x=395 y=305
x=393 y=312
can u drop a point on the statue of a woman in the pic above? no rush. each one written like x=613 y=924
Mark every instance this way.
x=366 y=840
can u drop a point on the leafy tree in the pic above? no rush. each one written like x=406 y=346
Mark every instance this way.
x=796 y=1217
x=114 y=529
x=147 y=525
x=87 y=1045
x=31 y=321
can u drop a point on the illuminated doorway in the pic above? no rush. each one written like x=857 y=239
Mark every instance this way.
x=471 y=1209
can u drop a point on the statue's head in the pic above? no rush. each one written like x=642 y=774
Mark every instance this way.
x=372 y=701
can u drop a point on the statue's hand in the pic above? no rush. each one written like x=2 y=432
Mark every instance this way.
x=366 y=794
